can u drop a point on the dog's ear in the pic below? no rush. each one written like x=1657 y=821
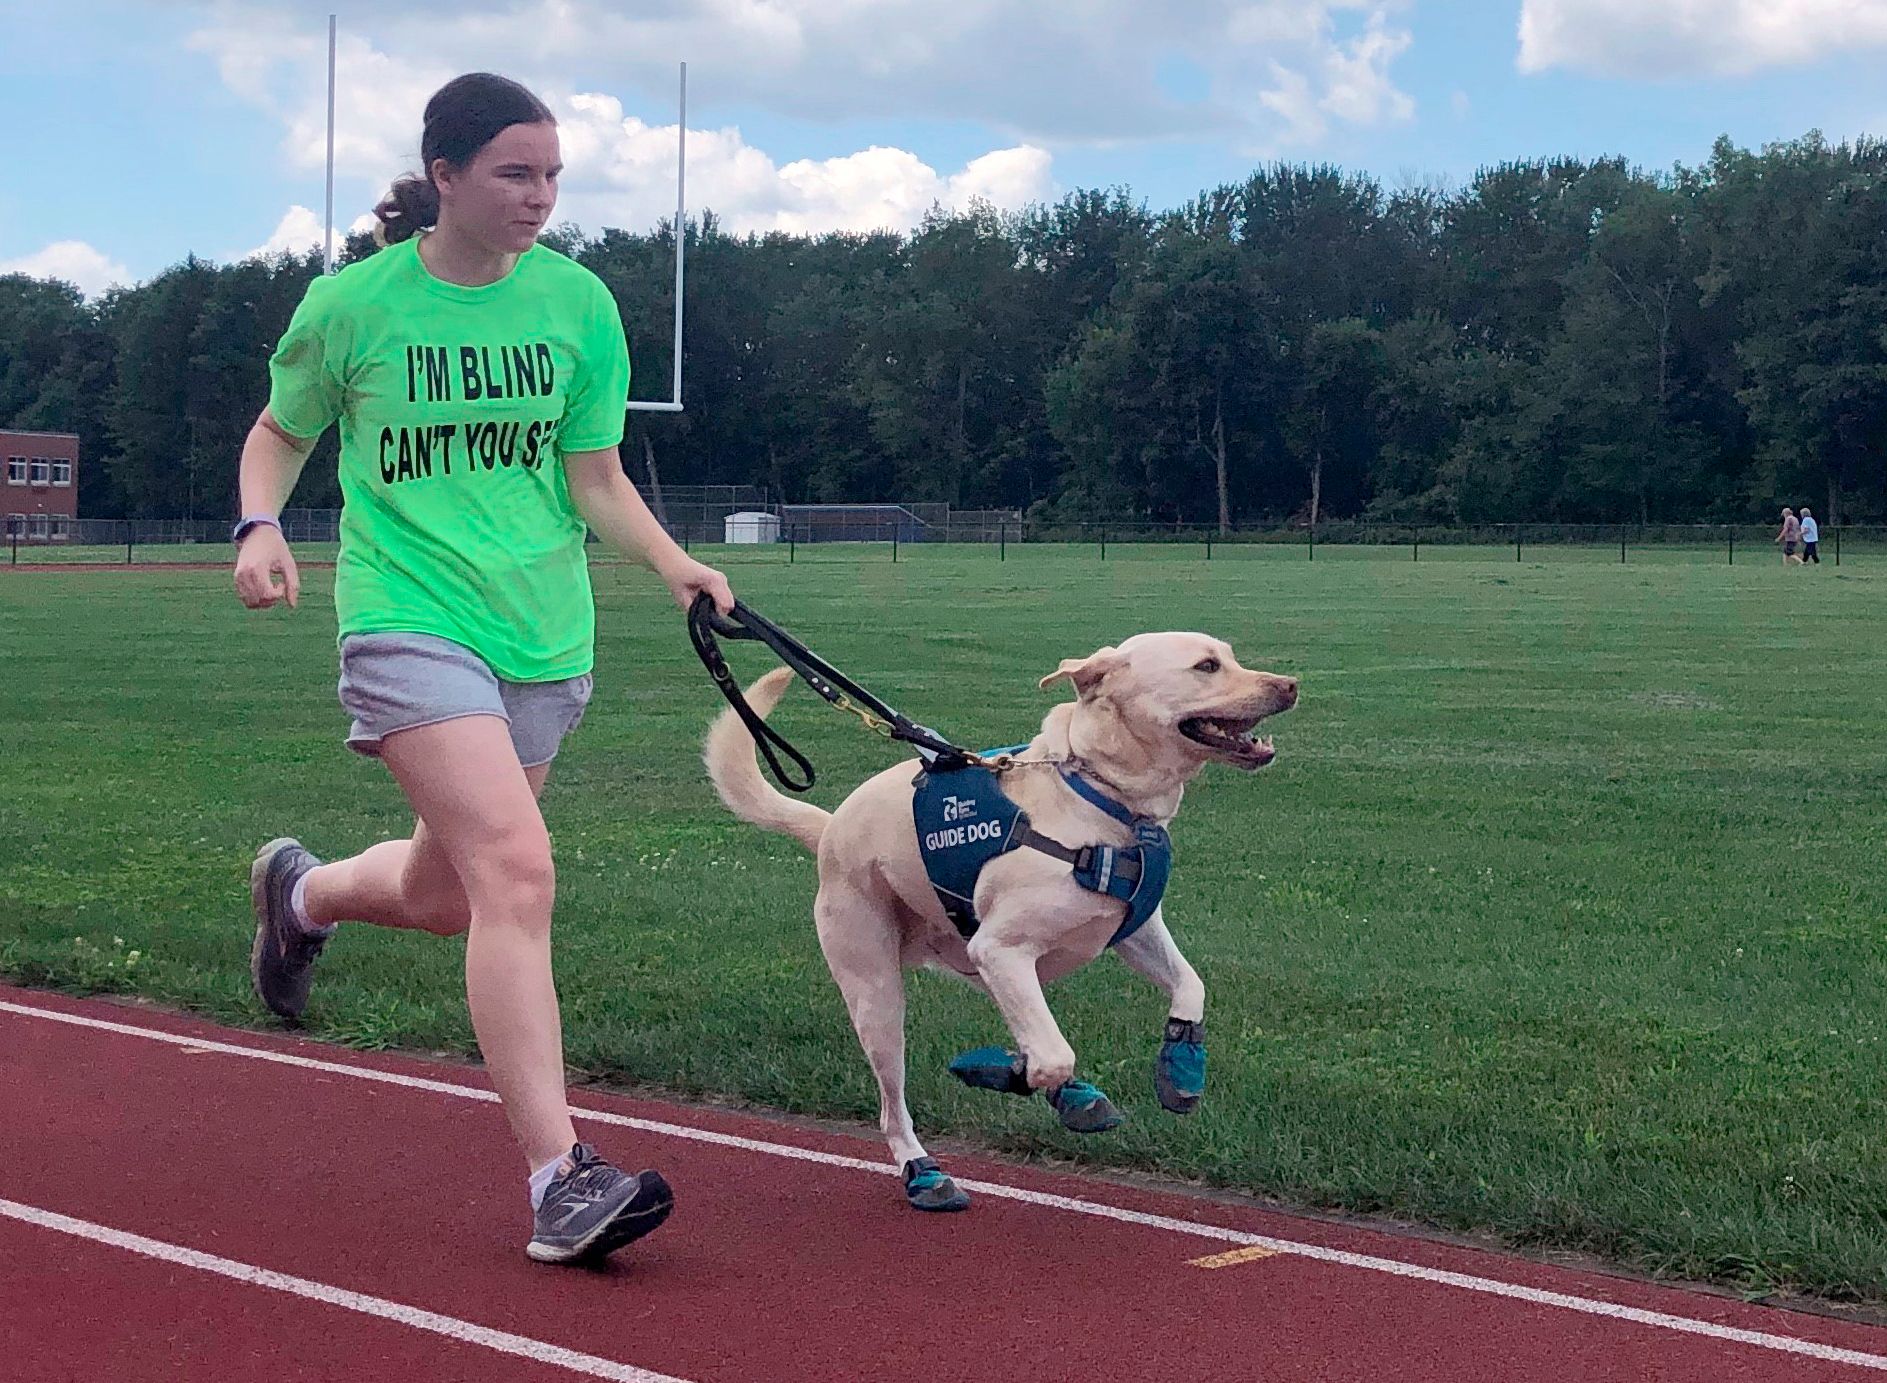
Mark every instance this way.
x=1085 y=673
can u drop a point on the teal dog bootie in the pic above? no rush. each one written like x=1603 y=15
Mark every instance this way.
x=1179 y=1074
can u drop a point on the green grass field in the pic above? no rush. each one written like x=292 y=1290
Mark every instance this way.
x=1559 y=915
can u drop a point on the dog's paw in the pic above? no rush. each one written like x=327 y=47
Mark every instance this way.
x=1083 y=1109
x=1179 y=1073
x=1050 y=1067
x=927 y=1188
x=992 y=1068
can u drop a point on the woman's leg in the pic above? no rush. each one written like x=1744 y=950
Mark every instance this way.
x=398 y=883
x=478 y=861
x=463 y=779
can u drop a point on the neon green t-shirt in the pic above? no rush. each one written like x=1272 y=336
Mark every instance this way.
x=456 y=408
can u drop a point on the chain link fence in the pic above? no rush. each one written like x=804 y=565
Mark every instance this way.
x=697 y=517
x=1517 y=542
x=851 y=532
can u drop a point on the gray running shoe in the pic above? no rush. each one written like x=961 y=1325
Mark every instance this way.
x=282 y=960
x=594 y=1209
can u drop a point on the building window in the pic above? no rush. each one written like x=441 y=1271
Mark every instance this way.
x=16 y=470
x=61 y=471
x=42 y=471
x=61 y=528
x=16 y=525
x=42 y=525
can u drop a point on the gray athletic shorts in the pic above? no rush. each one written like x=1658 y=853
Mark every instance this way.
x=395 y=682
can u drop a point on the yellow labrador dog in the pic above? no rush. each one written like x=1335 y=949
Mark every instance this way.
x=1083 y=804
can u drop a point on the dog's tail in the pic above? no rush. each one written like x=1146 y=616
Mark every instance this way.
x=729 y=755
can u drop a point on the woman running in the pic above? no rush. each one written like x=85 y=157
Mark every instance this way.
x=479 y=380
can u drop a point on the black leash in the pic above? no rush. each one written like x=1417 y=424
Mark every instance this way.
x=705 y=623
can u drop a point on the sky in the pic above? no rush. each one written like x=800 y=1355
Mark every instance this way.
x=139 y=133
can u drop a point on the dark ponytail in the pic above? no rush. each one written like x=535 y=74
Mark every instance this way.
x=411 y=205
x=462 y=117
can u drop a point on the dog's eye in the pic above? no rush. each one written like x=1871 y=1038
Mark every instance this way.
x=1206 y=665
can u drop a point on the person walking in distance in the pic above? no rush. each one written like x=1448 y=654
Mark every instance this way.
x=1811 y=538
x=1790 y=535
x=479 y=380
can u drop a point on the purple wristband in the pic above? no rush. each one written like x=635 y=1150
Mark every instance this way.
x=250 y=521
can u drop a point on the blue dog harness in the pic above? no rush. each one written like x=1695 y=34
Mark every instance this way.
x=964 y=820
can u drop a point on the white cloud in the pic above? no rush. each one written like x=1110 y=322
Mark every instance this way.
x=1007 y=178
x=622 y=173
x=621 y=170
x=1357 y=87
x=1042 y=76
x=1683 y=38
x=1345 y=81
x=281 y=69
x=300 y=230
x=890 y=187
x=74 y=261
x=1291 y=98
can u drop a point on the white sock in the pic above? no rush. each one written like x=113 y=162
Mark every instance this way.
x=542 y=1178
x=298 y=905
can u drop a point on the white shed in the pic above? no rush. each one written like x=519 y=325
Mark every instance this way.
x=752 y=526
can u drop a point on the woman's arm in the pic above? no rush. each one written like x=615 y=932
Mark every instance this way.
x=611 y=506
x=271 y=464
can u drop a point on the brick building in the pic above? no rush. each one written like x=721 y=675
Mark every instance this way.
x=39 y=485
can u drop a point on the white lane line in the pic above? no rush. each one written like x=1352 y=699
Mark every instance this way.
x=465 y=1332
x=1590 y=1306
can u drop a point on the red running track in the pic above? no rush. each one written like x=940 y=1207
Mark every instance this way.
x=184 y=1201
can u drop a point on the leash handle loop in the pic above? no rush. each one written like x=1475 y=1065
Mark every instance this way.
x=704 y=621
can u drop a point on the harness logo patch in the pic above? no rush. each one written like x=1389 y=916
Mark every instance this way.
x=959 y=808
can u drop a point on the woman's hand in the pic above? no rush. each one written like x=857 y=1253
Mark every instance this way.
x=264 y=556
x=687 y=578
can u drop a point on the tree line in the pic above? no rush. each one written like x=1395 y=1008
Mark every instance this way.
x=1558 y=339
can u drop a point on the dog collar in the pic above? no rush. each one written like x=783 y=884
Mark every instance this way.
x=1089 y=793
